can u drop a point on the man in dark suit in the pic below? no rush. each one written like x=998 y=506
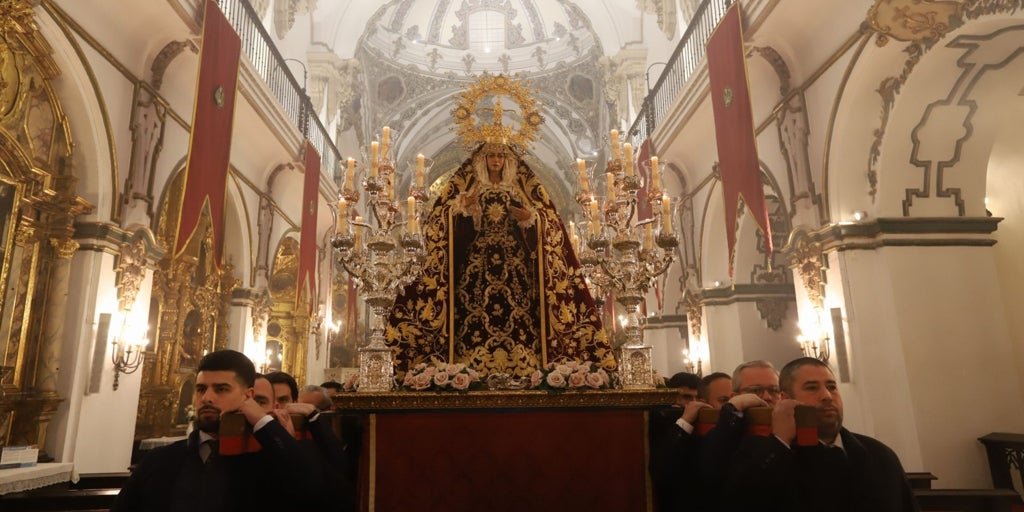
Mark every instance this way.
x=674 y=448
x=191 y=475
x=842 y=472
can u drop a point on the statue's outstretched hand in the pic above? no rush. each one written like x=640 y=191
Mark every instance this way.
x=519 y=214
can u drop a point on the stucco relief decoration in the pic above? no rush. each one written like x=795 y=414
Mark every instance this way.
x=694 y=312
x=773 y=312
x=664 y=11
x=64 y=247
x=260 y=310
x=18 y=25
x=285 y=12
x=166 y=56
x=806 y=259
x=131 y=271
x=920 y=23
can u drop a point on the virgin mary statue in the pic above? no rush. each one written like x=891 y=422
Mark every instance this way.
x=501 y=290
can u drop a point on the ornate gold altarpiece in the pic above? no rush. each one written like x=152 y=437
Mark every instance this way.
x=505 y=450
x=38 y=206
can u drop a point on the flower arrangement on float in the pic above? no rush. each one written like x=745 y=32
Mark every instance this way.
x=441 y=376
x=570 y=375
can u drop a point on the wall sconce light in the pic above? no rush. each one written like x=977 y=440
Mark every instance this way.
x=859 y=215
x=816 y=348
x=127 y=357
x=694 y=366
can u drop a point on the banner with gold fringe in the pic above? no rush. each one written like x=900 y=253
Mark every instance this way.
x=209 y=151
x=307 y=240
x=734 y=128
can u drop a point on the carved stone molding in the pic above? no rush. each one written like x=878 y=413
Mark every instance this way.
x=131 y=271
x=333 y=82
x=166 y=56
x=17 y=22
x=773 y=312
x=285 y=12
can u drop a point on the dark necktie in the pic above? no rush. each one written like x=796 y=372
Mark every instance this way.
x=210 y=450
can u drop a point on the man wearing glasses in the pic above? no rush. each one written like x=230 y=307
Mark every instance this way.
x=755 y=384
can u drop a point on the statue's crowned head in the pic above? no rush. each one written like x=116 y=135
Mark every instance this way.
x=495 y=135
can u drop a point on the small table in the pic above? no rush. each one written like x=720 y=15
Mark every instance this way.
x=40 y=475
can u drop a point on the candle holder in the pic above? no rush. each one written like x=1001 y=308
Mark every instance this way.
x=622 y=254
x=391 y=258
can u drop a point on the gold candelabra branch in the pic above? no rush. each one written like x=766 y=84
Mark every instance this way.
x=127 y=356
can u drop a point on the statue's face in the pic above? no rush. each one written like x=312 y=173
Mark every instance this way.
x=495 y=161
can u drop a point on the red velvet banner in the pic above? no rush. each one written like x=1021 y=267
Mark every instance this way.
x=582 y=460
x=307 y=240
x=734 y=128
x=209 y=152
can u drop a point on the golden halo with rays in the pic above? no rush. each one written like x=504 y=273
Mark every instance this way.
x=473 y=133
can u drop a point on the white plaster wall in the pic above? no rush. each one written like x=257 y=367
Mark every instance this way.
x=928 y=366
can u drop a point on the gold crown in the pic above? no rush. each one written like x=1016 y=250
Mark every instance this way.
x=473 y=134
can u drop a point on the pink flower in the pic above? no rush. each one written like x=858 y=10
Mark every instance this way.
x=421 y=381
x=419 y=367
x=577 y=380
x=442 y=379
x=573 y=365
x=452 y=369
x=564 y=369
x=473 y=374
x=604 y=376
x=556 y=380
x=460 y=381
x=430 y=371
x=595 y=380
x=586 y=366
x=535 y=378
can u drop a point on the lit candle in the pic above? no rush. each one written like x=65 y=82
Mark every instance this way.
x=410 y=215
x=385 y=141
x=615 y=144
x=572 y=234
x=655 y=174
x=419 y=171
x=373 y=158
x=629 y=158
x=610 y=178
x=350 y=174
x=666 y=214
x=648 y=236
x=342 y=216
x=584 y=185
x=359 y=232
x=594 y=221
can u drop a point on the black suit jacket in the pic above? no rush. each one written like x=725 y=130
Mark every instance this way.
x=173 y=478
x=767 y=476
x=674 y=465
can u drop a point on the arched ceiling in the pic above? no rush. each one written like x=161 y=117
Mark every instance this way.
x=414 y=56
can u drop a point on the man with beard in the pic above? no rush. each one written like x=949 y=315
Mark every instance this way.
x=191 y=475
x=843 y=472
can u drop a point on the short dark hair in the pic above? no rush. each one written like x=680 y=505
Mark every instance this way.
x=702 y=391
x=786 y=378
x=229 y=361
x=684 y=380
x=284 y=378
x=336 y=386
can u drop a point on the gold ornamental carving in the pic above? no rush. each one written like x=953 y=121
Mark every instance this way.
x=694 y=311
x=17 y=23
x=416 y=400
x=918 y=21
x=131 y=270
x=773 y=312
x=64 y=247
x=807 y=261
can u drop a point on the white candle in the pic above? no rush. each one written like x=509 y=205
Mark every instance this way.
x=359 y=232
x=610 y=178
x=410 y=215
x=572 y=235
x=666 y=214
x=373 y=158
x=655 y=174
x=629 y=158
x=419 y=171
x=615 y=144
x=342 y=216
x=350 y=173
x=584 y=184
x=385 y=141
x=648 y=236
x=594 y=221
